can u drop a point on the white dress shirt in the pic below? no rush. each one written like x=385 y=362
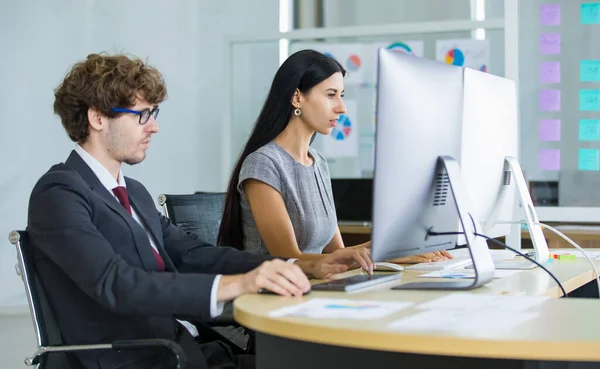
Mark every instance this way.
x=109 y=182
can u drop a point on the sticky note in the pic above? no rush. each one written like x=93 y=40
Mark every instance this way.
x=550 y=72
x=550 y=100
x=550 y=159
x=550 y=43
x=589 y=100
x=589 y=70
x=550 y=130
x=589 y=159
x=550 y=15
x=590 y=13
x=589 y=130
x=562 y=257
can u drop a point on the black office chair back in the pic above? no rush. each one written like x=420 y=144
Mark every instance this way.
x=44 y=324
x=199 y=213
x=51 y=352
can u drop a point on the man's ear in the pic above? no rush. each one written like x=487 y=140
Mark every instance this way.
x=95 y=119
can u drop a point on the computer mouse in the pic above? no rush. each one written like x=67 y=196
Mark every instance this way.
x=264 y=291
x=383 y=266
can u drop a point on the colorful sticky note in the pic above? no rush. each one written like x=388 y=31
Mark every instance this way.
x=589 y=130
x=550 y=159
x=550 y=72
x=589 y=70
x=550 y=100
x=589 y=100
x=550 y=43
x=590 y=13
x=550 y=130
x=550 y=15
x=589 y=159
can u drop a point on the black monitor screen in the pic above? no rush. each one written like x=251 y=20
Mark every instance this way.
x=353 y=198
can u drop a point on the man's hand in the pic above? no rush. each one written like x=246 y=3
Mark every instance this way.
x=276 y=276
x=425 y=258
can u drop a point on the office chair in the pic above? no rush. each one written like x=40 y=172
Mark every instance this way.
x=49 y=339
x=201 y=213
x=198 y=213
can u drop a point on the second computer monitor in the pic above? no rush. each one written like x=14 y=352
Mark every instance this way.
x=489 y=165
x=419 y=118
x=490 y=133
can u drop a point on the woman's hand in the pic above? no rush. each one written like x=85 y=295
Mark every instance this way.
x=341 y=260
x=366 y=245
x=425 y=258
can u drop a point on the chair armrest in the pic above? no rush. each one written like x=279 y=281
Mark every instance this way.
x=173 y=347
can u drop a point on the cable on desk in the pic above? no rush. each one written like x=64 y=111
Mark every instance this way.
x=431 y=233
x=526 y=257
x=573 y=243
x=578 y=248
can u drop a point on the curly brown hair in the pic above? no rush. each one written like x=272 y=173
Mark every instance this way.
x=104 y=82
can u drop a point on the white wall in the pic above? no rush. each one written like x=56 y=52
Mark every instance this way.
x=339 y=13
x=182 y=38
x=366 y=12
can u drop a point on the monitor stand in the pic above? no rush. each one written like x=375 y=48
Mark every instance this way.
x=483 y=263
x=536 y=234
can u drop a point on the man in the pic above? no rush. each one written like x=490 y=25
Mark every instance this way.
x=108 y=259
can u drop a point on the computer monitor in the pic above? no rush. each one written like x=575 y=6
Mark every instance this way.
x=490 y=133
x=417 y=187
x=353 y=199
x=490 y=146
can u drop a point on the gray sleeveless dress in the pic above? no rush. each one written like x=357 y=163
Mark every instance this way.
x=306 y=191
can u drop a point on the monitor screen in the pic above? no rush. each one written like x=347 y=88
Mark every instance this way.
x=490 y=133
x=419 y=118
x=353 y=199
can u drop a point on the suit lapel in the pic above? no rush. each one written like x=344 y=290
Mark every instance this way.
x=141 y=241
x=147 y=214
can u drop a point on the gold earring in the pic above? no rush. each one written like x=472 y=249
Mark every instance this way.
x=298 y=111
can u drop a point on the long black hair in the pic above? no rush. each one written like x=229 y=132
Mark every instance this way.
x=302 y=70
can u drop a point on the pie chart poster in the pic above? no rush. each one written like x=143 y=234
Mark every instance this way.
x=351 y=56
x=474 y=54
x=343 y=140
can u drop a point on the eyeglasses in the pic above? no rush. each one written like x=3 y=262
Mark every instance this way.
x=144 y=114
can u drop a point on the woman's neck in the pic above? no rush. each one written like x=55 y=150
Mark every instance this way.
x=295 y=139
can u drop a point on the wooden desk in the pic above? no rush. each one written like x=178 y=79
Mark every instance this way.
x=572 y=274
x=566 y=330
x=585 y=236
x=355 y=229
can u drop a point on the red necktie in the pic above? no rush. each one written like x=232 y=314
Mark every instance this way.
x=121 y=193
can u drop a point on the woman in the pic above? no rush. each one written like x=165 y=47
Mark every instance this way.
x=279 y=200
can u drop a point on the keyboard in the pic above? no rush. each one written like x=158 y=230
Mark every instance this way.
x=441 y=265
x=355 y=282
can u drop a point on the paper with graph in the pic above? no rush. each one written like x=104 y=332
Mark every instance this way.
x=322 y=308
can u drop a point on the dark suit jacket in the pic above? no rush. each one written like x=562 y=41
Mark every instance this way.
x=97 y=267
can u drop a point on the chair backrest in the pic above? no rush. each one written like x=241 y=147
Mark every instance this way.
x=44 y=324
x=199 y=213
